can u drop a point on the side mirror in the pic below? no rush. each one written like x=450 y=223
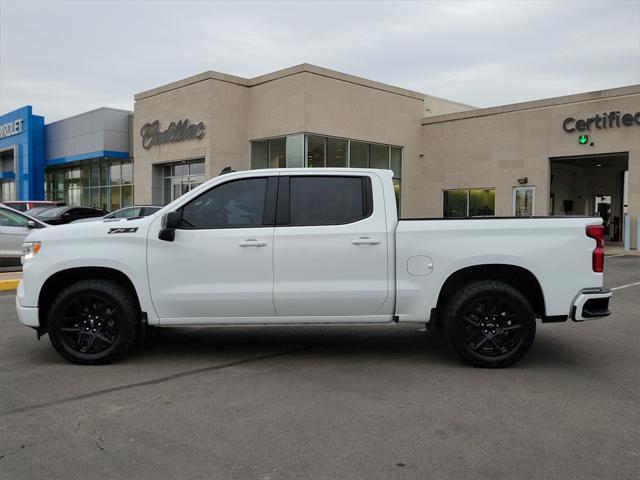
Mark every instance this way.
x=31 y=224
x=168 y=227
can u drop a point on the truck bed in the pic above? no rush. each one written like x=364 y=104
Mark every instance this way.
x=556 y=250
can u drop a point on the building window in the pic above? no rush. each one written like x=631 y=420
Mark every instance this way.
x=482 y=202
x=277 y=156
x=295 y=151
x=455 y=203
x=379 y=156
x=313 y=151
x=523 y=198
x=473 y=202
x=100 y=182
x=180 y=178
x=337 y=150
x=359 y=155
x=316 y=149
x=260 y=155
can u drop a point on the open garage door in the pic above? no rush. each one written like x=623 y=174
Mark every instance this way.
x=591 y=185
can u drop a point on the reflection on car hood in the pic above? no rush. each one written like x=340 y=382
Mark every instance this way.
x=98 y=228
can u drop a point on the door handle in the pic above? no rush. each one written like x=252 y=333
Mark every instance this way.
x=365 y=241
x=252 y=242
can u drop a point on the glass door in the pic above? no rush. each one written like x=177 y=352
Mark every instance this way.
x=182 y=178
x=523 y=200
x=180 y=186
x=7 y=190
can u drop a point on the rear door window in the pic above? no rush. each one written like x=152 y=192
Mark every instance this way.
x=320 y=200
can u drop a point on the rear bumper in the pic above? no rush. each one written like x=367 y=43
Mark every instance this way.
x=27 y=315
x=591 y=303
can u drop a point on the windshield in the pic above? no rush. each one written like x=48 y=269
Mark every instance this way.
x=37 y=210
x=52 y=212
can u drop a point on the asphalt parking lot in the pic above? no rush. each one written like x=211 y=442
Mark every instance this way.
x=328 y=402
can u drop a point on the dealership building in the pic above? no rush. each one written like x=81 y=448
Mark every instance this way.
x=82 y=160
x=571 y=155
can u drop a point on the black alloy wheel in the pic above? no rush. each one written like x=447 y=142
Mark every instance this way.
x=90 y=323
x=493 y=326
x=93 y=321
x=490 y=324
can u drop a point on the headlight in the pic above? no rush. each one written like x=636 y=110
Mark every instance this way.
x=29 y=250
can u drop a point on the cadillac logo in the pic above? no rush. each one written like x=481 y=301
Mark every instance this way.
x=175 y=132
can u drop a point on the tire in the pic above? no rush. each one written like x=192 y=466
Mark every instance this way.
x=93 y=321
x=489 y=324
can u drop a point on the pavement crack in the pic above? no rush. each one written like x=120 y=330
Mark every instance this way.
x=154 y=381
x=17 y=450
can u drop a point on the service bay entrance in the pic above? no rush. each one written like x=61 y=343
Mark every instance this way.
x=591 y=185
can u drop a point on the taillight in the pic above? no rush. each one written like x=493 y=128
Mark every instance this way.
x=597 y=233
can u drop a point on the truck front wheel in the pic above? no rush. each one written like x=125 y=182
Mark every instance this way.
x=489 y=323
x=93 y=321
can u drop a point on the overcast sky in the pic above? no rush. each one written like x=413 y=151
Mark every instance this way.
x=65 y=58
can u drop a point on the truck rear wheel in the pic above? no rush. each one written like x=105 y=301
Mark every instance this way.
x=489 y=324
x=93 y=321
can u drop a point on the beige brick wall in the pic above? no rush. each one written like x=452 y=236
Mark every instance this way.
x=495 y=149
x=192 y=102
x=301 y=99
x=459 y=148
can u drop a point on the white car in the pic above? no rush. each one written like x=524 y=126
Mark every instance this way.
x=310 y=246
x=14 y=228
x=126 y=212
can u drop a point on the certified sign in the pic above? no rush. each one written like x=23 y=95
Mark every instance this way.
x=12 y=128
x=606 y=120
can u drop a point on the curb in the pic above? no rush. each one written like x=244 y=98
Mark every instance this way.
x=9 y=285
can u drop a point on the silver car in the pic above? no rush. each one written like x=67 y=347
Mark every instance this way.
x=14 y=228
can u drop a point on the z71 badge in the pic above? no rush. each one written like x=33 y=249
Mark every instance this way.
x=122 y=230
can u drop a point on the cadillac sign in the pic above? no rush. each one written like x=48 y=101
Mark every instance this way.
x=175 y=132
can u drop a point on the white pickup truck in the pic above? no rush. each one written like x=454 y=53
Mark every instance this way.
x=309 y=246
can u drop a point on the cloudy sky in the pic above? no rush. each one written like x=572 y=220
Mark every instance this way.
x=68 y=57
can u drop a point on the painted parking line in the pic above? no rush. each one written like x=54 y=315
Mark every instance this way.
x=626 y=286
x=8 y=285
x=616 y=255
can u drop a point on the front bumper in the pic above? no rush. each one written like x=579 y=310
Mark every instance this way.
x=27 y=315
x=591 y=303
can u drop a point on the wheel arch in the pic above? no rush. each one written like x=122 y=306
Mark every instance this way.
x=518 y=277
x=62 y=279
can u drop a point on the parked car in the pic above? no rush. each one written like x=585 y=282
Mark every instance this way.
x=34 y=212
x=23 y=206
x=135 y=211
x=62 y=215
x=14 y=228
x=310 y=246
